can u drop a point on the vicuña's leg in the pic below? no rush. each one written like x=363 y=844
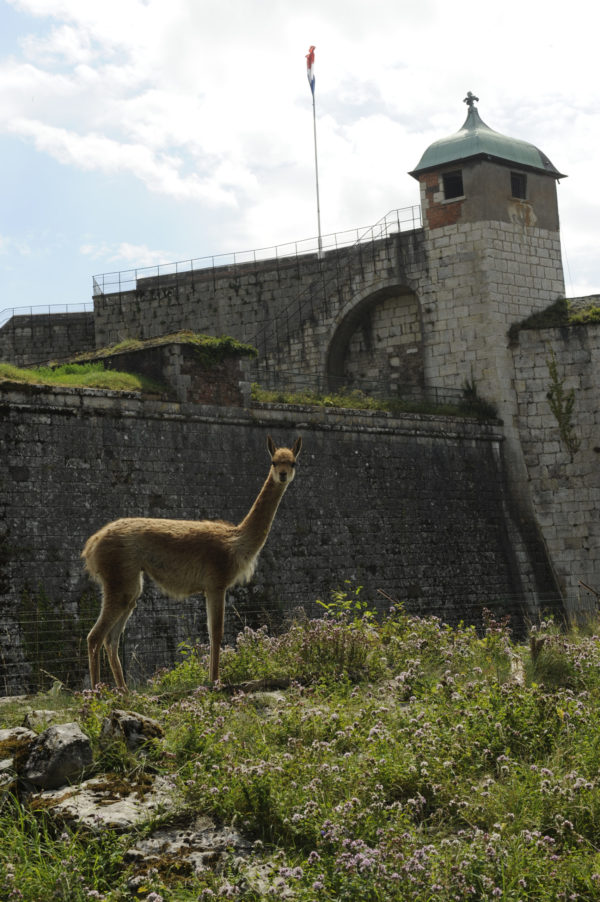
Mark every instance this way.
x=117 y=607
x=95 y=640
x=111 y=644
x=215 y=615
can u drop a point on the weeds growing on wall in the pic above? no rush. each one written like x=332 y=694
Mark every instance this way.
x=210 y=349
x=587 y=315
x=560 y=313
x=561 y=404
x=470 y=405
x=406 y=762
x=473 y=404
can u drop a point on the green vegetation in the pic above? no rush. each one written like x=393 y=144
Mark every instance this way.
x=82 y=375
x=88 y=370
x=405 y=761
x=470 y=405
x=560 y=313
x=561 y=404
x=588 y=315
x=210 y=349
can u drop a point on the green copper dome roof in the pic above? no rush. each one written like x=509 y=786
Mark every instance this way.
x=476 y=139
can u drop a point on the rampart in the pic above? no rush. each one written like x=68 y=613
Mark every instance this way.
x=413 y=506
x=564 y=482
x=29 y=339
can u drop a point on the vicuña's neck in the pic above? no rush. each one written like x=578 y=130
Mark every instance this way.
x=256 y=524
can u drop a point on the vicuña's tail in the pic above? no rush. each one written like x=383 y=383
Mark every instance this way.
x=89 y=556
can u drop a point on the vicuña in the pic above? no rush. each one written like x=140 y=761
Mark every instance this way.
x=183 y=557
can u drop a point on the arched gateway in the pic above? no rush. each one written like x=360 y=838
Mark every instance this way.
x=378 y=340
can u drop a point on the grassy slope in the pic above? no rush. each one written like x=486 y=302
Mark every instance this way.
x=88 y=370
x=89 y=375
x=406 y=761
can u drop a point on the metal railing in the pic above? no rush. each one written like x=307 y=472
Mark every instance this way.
x=316 y=299
x=405 y=219
x=353 y=392
x=44 y=310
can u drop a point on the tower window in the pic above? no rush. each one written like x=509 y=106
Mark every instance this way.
x=453 y=184
x=518 y=185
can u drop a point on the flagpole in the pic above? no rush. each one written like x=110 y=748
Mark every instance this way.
x=310 y=59
x=320 y=254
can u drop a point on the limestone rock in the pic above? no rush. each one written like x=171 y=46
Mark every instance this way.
x=14 y=745
x=135 y=729
x=200 y=845
x=57 y=756
x=14 y=740
x=41 y=717
x=108 y=801
x=268 y=699
x=8 y=774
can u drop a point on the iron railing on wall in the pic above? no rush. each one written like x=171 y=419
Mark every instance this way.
x=283 y=387
x=25 y=311
x=33 y=335
x=405 y=219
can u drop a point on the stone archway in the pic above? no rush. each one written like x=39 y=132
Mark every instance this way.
x=378 y=344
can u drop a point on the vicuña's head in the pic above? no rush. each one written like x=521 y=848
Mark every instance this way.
x=283 y=460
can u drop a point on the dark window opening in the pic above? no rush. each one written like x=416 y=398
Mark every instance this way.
x=518 y=184
x=453 y=184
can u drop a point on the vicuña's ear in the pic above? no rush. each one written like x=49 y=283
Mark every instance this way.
x=297 y=446
x=271 y=446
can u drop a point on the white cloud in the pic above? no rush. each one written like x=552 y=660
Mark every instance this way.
x=208 y=103
x=70 y=45
x=10 y=246
x=138 y=255
x=160 y=173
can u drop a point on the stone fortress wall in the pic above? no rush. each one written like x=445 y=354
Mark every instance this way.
x=414 y=506
x=409 y=312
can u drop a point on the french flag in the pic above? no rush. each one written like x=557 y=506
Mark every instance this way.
x=310 y=69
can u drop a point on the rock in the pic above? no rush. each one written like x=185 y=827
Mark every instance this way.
x=108 y=801
x=14 y=740
x=10 y=700
x=57 y=756
x=43 y=717
x=8 y=774
x=134 y=728
x=200 y=845
x=268 y=699
x=14 y=745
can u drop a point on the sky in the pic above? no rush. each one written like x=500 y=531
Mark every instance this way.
x=143 y=132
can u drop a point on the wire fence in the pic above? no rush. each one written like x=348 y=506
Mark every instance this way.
x=37 y=652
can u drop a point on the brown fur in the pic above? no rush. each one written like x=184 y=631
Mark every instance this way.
x=183 y=557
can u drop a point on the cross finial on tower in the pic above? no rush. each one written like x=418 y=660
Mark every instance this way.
x=470 y=100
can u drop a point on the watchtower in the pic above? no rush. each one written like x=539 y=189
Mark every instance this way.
x=492 y=241
x=490 y=217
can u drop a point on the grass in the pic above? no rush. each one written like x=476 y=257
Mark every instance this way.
x=210 y=349
x=560 y=313
x=470 y=405
x=86 y=375
x=404 y=762
x=88 y=370
x=92 y=374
